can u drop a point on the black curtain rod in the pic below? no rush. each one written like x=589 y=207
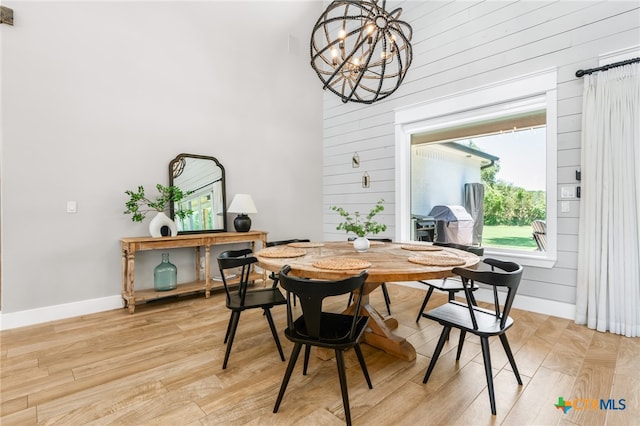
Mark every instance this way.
x=580 y=73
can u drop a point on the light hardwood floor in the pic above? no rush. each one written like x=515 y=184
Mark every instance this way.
x=162 y=366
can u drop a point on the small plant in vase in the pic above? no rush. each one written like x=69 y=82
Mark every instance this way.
x=139 y=205
x=361 y=225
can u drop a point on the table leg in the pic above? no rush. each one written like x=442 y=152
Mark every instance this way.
x=123 y=292
x=381 y=333
x=130 y=285
x=198 y=266
x=207 y=272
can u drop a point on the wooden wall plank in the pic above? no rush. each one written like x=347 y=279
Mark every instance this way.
x=460 y=46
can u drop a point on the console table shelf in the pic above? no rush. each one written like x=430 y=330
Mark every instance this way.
x=131 y=245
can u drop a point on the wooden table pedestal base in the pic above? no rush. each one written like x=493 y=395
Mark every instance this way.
x=380 y=332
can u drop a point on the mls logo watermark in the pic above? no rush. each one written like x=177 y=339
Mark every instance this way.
x=590 y=404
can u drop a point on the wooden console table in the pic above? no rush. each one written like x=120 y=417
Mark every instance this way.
x=131 y=245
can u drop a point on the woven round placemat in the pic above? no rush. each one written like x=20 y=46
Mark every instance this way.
x=306 y=245
x=281 y=252
x=437 y=260
x=419 y=247
x=341 y=264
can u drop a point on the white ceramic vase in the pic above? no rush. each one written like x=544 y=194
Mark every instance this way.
x=361 y=244
x=160 y=220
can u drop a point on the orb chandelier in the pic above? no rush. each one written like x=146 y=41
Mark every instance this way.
x=360 y=51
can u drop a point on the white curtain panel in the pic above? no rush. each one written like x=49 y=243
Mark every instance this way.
x=608 y=287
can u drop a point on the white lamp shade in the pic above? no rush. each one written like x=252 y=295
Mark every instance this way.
x=242 y=203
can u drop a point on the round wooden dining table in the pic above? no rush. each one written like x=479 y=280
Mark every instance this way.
x=385 y=262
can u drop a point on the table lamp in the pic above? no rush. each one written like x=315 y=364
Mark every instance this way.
x=242 y=204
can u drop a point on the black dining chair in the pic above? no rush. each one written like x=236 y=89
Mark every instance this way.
x=485 y=323
x=383 y=286
x=452 y=285
x=242 y=299
x=316 y=327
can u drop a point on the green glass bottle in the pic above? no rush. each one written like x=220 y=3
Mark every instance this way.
x=165 y=275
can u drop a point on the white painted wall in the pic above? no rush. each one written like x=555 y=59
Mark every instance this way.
x=460 y=46
x=98 y=97
x=428 y=189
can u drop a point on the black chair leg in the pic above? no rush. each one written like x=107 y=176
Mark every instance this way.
x=226 y=336
x=235 y=318
x=436 y=353
x=387 y=299
x=287 y=375
x=350 y=299
x=452 y=296
x=424 y=303
x=343 y=385
x=460 y=343
x=363 y=365
x=272 y=326
x=307 y=351
x=484 y=342
x=231 y=319
x=512 y=361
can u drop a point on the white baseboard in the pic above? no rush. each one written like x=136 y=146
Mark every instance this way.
x=533 y=304
x=527 y=303
x=58 y=312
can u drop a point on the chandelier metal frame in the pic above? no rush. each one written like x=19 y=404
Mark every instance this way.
x=360 y=51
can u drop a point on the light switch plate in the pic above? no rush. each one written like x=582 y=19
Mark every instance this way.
x=72 y=207
x=568 y=192
x=565 y=207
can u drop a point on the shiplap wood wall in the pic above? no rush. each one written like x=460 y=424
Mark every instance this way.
x=459 y=46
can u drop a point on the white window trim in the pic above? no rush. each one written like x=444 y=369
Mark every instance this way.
x=619 y=55
x=451 y=109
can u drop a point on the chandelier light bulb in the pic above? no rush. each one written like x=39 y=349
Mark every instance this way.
x=334 y=57
x=370 y=34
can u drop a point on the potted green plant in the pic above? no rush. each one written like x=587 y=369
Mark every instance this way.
x=139 y=205
x=361 y=225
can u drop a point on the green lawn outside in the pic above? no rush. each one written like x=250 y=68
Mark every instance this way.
x=518 y=237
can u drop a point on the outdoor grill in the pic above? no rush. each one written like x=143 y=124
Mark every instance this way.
x=453 y=224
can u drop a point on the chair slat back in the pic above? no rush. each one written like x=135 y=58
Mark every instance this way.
x=236 y=259
x=311 y=294
x=540 y=234
x=478 y=251
x=502 y=274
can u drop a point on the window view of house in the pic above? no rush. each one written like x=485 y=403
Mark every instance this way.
x=482 y=184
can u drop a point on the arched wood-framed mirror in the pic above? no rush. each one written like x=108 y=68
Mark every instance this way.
x=204 y=177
